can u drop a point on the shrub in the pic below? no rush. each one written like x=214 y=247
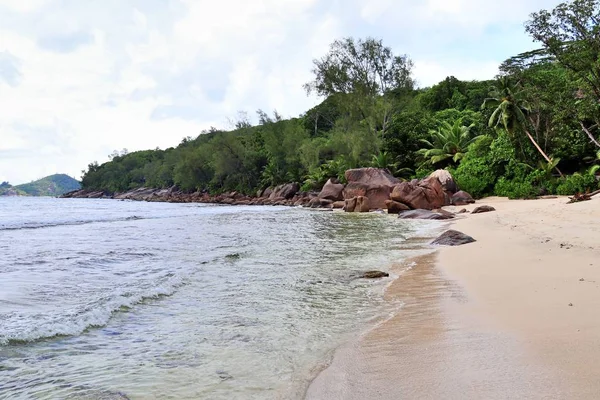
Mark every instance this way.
x=576 y=183
x=475 y=176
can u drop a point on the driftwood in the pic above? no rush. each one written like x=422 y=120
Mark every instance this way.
x=582 y=197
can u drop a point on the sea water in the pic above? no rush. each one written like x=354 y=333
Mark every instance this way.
x=106 y=299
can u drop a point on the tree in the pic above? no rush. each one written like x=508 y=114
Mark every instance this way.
x=571 y=34
x=449 y=142
x=367 y=75
x=510 y=111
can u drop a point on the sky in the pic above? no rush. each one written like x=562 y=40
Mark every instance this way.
x=82 y=78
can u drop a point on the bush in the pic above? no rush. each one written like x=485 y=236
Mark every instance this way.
x=515 y=189
x=475 y=176
x=576 y=183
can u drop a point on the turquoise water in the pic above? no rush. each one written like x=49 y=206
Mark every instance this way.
x=103 y=299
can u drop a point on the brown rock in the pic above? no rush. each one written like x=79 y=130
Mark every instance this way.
x=357 y=204
x=350 y=204
x=332 y=190
x=453 y=238
x=371 y=176
x=462 y=199
x=427 y=195
x=339 y=204
x=483 y=209
x=374 y=275
x=287 y=191
x=373 y=183
x=394 y=207
x=444 y=212
x=422 y=214
x=446 y=179
x=463 y=211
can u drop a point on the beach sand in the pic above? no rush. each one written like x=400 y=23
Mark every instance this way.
x=514 y=315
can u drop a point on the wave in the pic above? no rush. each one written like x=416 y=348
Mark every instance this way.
x=40 y=225
x=95 y=315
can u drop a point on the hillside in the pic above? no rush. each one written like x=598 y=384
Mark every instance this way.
x=53 y=185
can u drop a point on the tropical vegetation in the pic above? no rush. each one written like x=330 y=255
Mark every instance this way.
x=531 y=131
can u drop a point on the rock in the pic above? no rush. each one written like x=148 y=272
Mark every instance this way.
x=350 y=204
x=339 y=204
x=427 y=195
x=371 y=176
x=422 y=214
x=394 y=207
x=332 y=190
x=463 y=211
x=357 y=204
x=267 y=192
x=453 y=238
x=446 y=179
x=316 y=202
x=373 y=183
x=374 y=275
x=483 y=209
x=462 y=199
x=287 y=191
x=362 y=204
x=444 y=212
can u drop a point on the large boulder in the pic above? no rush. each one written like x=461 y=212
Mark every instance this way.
x=371 y=176
x=373 y=183
x=453 y=238
x=446 y=179
x=427 y=194
x=462 y=198
x=394 y=207
x=332 y=190
x=423 y=214
x=357 y=204
x=286 y=191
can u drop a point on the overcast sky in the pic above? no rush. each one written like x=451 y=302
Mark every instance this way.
x=81 y=78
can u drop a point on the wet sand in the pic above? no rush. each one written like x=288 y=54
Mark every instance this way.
x=490 y=319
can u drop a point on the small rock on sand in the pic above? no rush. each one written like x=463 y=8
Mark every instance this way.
x=374 y=275
x=453 y=238
x=483 y=209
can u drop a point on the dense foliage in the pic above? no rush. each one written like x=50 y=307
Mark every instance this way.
x=53 y=185
x=531 y=131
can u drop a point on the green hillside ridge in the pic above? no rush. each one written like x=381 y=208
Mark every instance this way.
x=53 y=185
x=6 y=189
x=531 y=131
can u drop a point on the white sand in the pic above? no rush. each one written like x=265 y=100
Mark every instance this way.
x=489 y=320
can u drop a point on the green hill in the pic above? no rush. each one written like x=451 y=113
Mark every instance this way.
x=53 y=185
x=6 y=189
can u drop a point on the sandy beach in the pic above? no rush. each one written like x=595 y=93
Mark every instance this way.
x=514 y=315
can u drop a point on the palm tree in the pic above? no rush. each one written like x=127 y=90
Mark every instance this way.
x=449 y=142
x=511 y=111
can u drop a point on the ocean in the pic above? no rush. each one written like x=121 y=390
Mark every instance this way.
x=106 y=299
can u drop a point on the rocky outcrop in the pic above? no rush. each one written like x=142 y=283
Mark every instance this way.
x=446 y=179
x=462 y=198
x=357 y=204
x=371 y=176
x=483 y=209
x=332 y=190
x=316 y=202
x=453 y=238
x=427 y=194
x=394 y=207
x=285 y=191
x=374 y=183
x=423 y=214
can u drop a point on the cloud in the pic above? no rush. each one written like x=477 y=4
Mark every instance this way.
x=65 y=43
x=81 y=79
x=9 y=69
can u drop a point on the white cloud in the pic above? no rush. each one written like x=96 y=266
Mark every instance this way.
x=86 y=78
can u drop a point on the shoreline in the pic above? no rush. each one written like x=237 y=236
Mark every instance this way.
x=489 y=319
